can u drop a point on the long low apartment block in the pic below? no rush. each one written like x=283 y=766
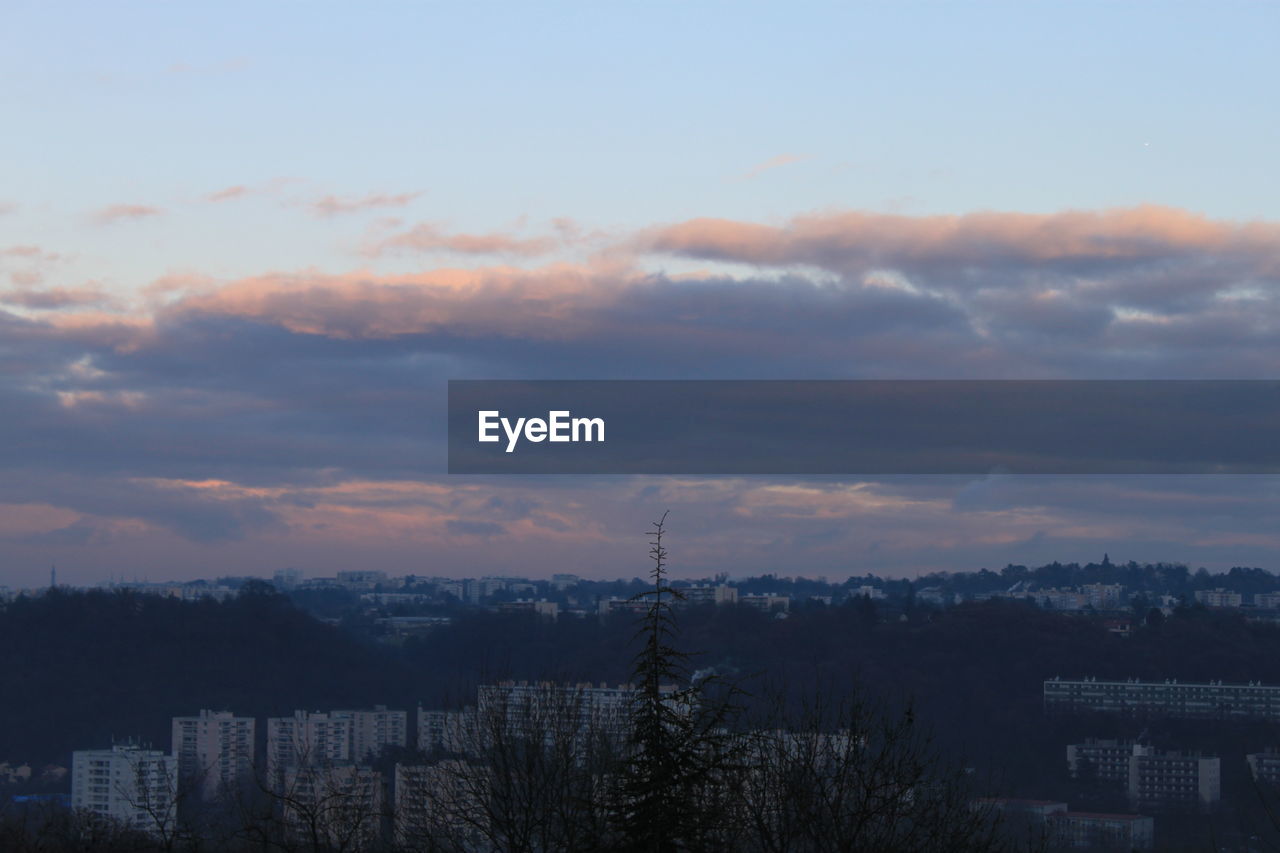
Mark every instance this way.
x=1213 y=700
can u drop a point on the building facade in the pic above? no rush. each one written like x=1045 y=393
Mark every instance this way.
x=1265 y=766
x=214 y=751
x=1213 y=700
x=1173 y=779
x=1101 y=760
x=1219 y=598
x=306 y=740
x=372 y=730
x=1105 y=596
x=442 y=799
x=341 y=808
x=1095 y=831
x=445 y=731
x=709 y=594
x=133 y=786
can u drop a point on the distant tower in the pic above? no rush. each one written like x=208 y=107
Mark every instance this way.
x=53 y=577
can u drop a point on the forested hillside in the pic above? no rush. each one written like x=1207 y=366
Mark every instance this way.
x=122 y=664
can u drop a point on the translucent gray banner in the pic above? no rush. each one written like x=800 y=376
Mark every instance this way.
x=863 y=427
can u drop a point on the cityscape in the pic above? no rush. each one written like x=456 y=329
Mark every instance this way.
x=665 y=427
x=385 y=777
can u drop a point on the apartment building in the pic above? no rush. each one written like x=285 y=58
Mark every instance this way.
x=768 y=603
x=545 y=609
x=1101 y=760
x=1265 y=766
x=1219 y=598
x=635 y=607
x=435 y=799
x=1078 y=830
x=449 y=731
x=306 y=740
x=552 y=708
x=127 y=783
x=1173 y=779
x=1096 y=831
x=374 y=729
x=342 y=807
x=214 y=751
x=1213 y=700
x=1104 y=596
x=709 y=594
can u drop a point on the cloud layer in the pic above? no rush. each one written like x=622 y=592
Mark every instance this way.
x=296 y=417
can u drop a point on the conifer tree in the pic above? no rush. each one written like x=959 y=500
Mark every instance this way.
x=671 y=793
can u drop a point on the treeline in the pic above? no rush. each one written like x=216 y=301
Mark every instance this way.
x=1151 y=579
x=1144 y=582
x=81 y=668
x=1144 y=579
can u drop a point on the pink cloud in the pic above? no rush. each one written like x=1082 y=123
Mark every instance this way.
x=771 y=163
x=29 y=252
x=26 y=278
x=238 y=191
x=541 y=303
x=334 y=205
x=851 y=240
x=124 y=212
x=56 y=297
x=429 y=238
x=968 y=295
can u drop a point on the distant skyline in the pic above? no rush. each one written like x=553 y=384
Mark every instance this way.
x=243 y=246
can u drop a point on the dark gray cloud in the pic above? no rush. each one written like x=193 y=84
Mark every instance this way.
x=475 y=528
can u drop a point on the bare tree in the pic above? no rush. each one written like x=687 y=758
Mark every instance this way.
x=532 y=776
x=314 y=804
x=851 y=776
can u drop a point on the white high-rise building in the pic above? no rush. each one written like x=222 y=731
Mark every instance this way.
x=341 y=807
x=306 y=740
x=214 y=751
x=1104 y=596
x=445 y=730
x=556 y=710
x=1219 y=598
x=717 y=594
x=372 y=730
x=136 y=787
x=446 y=798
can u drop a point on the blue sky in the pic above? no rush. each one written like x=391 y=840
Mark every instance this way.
x=623 y=114
x=223 y=220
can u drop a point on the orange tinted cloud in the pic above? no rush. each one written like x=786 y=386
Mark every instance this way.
x=490 y=300
x=334 y=205
x=842 y=240
x=428 y=238
x=55 y=297
x=238 y=191
x=771 y=163
x=28 y=252
x=124 y=212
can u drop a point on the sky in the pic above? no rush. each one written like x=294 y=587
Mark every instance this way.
x=243 y=246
